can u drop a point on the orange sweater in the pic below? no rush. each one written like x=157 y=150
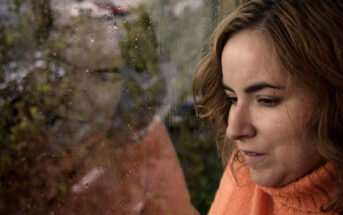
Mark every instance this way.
x=304 y=196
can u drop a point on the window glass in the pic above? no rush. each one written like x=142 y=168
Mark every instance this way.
x=96 y=111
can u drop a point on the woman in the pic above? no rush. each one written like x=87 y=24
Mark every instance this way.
x=273 y=85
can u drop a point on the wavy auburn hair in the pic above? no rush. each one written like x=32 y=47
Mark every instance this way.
x=307 y=41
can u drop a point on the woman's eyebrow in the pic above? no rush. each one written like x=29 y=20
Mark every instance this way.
x=254 y=87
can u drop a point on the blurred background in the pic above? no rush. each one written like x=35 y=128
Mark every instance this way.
x=82 y=80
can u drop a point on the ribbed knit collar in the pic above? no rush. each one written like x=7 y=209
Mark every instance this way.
x=308 y=193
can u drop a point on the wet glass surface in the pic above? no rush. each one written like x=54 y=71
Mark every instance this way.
x=96 y=110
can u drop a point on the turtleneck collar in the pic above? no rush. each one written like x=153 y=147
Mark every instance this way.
x=308 y=193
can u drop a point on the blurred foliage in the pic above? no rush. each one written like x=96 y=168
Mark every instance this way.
x=42 y=87
x=139 y=48
x=43 y=19
x=32 y=171
x=37 y=86
x=144 y=89
x=182 y=38
x=182 y=35
x=196 y=148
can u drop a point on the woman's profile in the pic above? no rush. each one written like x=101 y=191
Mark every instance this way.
x=272 y=83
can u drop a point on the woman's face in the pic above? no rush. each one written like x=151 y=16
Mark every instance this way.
x=268 y=116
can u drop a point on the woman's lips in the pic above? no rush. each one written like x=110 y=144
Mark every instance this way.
x=252 y=158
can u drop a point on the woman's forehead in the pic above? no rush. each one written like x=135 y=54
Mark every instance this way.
x=247 y=57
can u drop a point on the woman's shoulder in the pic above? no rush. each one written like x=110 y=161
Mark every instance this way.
x=238 y=194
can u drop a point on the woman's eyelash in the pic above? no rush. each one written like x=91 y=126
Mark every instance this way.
x=269 y=102
x=232 y=100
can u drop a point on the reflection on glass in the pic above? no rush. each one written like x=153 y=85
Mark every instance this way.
x=95 y=104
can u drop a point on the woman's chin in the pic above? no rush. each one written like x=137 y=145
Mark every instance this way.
x=267 y=178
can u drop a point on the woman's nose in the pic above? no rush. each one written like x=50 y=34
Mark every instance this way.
x=239 y=124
